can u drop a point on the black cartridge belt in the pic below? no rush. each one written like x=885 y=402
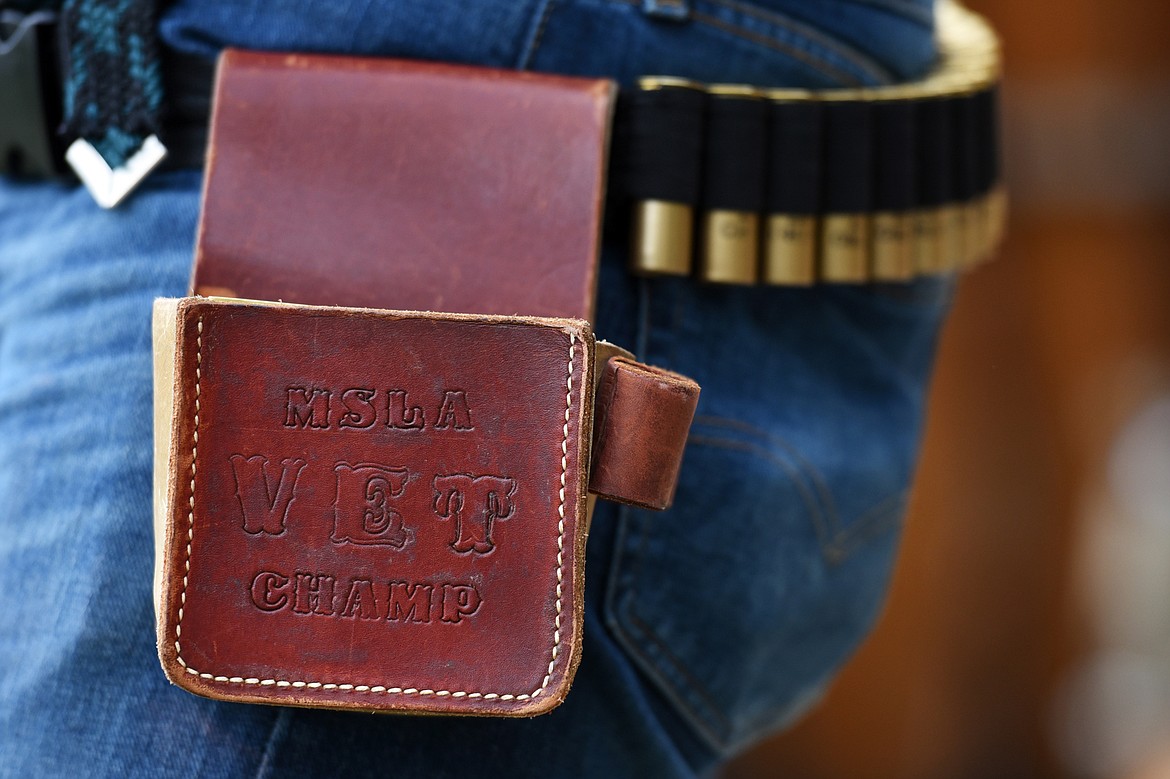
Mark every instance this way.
x=732 y=183
x=792 y=187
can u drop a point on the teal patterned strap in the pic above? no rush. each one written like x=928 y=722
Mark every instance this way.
x=113 y=82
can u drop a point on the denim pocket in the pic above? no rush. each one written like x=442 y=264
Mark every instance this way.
x=711 y=41
x=741 y=601
x=868 y=38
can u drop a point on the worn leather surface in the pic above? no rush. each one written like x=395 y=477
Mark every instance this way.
x=451 y=188
x=333 y=469
x=642 y=419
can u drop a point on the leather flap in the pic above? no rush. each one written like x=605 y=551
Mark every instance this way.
x=373 y=510
x=410 y=185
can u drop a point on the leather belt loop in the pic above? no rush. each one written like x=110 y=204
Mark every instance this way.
x=642 y=416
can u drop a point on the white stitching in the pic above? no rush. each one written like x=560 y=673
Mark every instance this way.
x=379 y=689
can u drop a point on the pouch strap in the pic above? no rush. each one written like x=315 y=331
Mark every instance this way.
x=641 y=418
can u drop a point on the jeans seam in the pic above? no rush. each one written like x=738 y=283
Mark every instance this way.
x=677 y=682
x=864 y=63
x=721 y=736
x=813 y=473
x=360 y=21
x=280 y=724
x=723 y=739
x=652 y=652
x=825 y=526
x=801 y=463
x=622 y=586
x=836 y=538
x=542 y=16
x=877 y=520
x=875 y=72
x=676 y=690
x=771 y=43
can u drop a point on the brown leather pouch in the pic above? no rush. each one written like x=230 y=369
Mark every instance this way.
x=372 y=510
x=387 y=510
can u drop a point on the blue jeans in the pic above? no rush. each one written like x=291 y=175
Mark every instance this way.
x=707 y=627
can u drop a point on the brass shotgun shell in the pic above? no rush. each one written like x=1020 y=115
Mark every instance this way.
x=924 y=230
x=662 y=238
x=790 y=255
x=731 y=247
x=951 y=226
x=845 y=248
x=893 y=247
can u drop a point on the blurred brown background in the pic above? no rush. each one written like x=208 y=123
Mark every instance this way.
x=1028 y=630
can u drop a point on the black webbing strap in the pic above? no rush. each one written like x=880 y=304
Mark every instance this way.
x=734 y=170
x=935 y=168
x=658 y=156
x=794 y=157
x=895 y=135
x=848 y=158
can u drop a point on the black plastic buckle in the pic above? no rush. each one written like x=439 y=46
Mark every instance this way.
x=30 y=96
